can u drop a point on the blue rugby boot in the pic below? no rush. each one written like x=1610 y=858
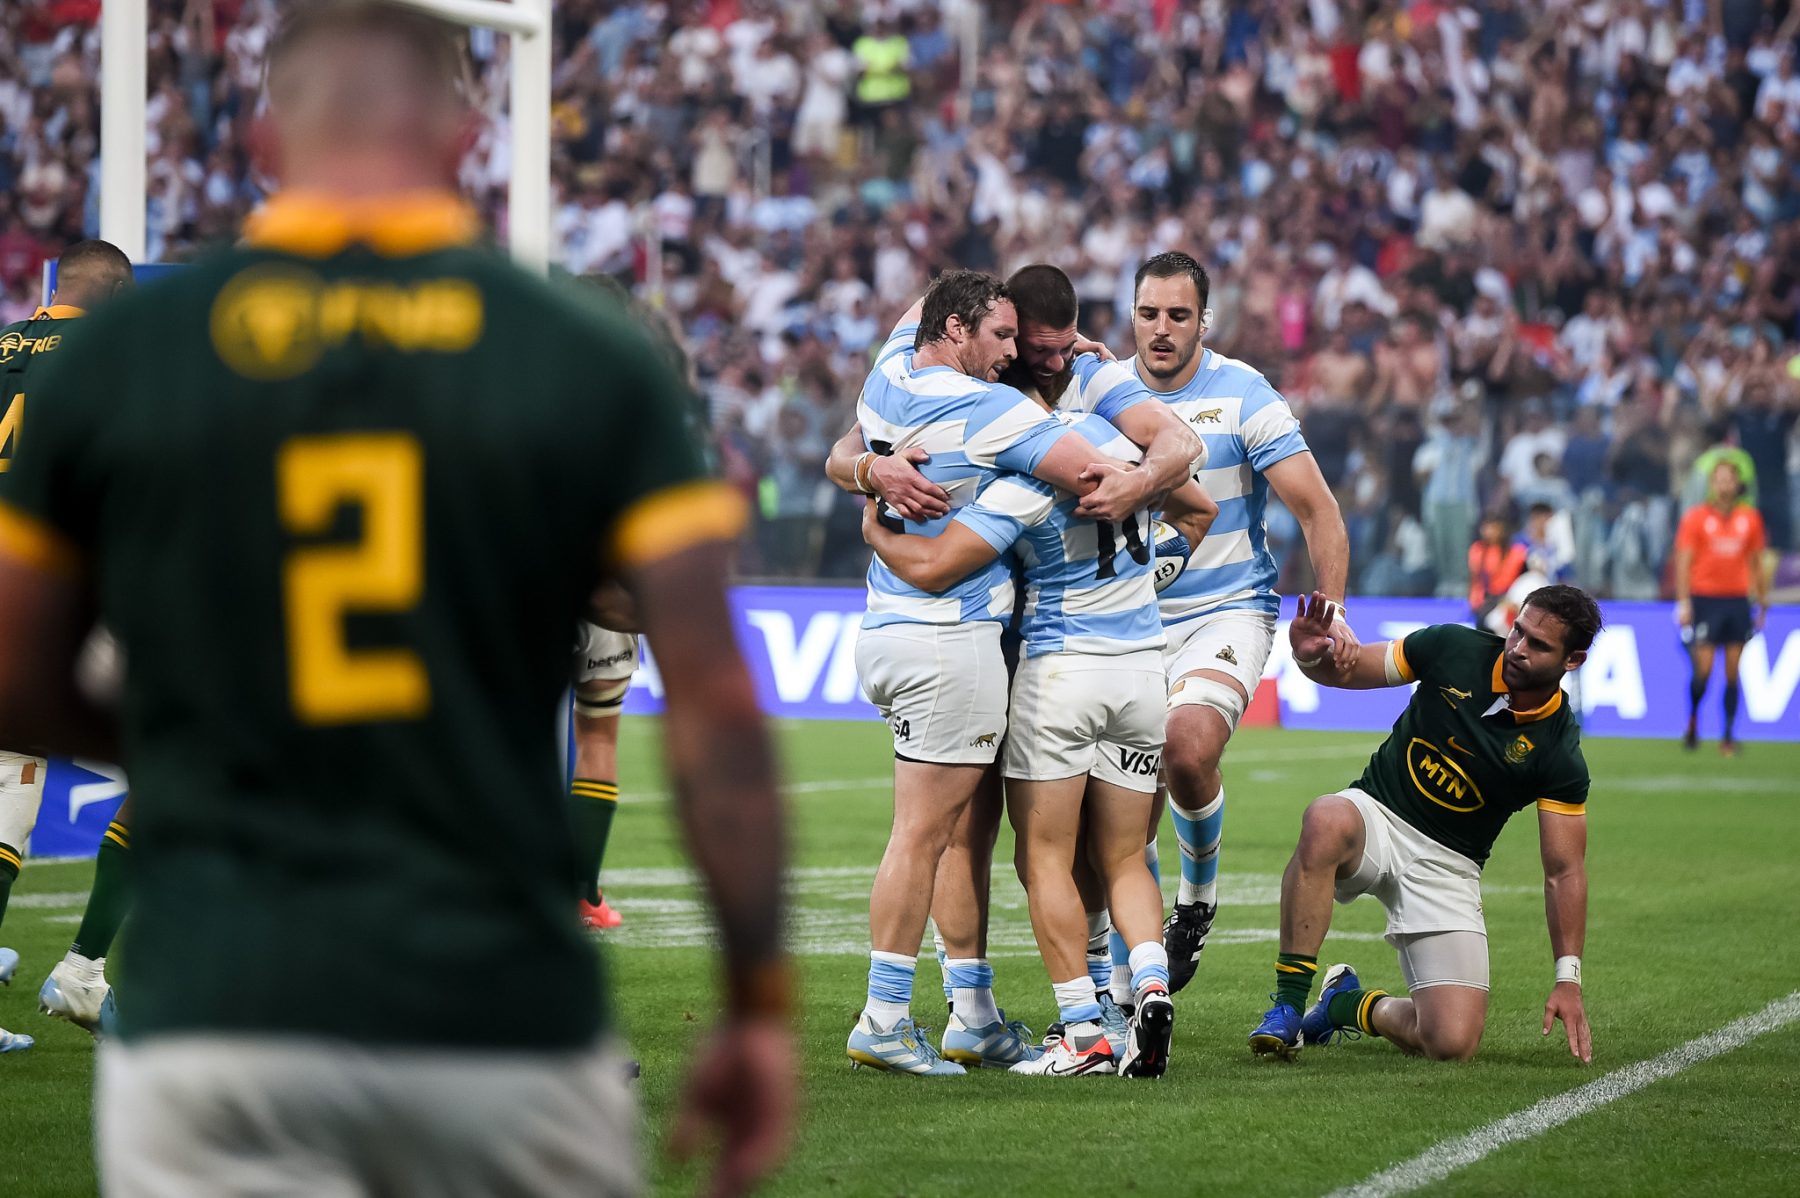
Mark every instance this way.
x=1115 y=1023
x=997 y=1045
x=1315 y=1026
x=1278 y=1035
x=903 y=1048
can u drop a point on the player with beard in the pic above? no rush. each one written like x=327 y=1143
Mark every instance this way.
x=1486 y=733
x=1220 y=612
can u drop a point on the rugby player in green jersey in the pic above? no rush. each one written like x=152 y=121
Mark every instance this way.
x=88 y=273
x=1488 y=732
x=345 y=528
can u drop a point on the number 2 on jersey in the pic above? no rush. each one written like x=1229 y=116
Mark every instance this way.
x=9 y=431
x=383 y=475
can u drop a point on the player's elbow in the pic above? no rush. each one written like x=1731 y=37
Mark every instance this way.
x=935 y=578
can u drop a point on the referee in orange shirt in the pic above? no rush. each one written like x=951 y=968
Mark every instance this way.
x=1719 y=570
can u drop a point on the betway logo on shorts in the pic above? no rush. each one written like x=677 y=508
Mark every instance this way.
x=800 y=643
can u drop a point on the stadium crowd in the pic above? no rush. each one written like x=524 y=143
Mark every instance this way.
x=1497 y=255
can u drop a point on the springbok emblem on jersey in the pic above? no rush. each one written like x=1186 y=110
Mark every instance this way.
x=1450 y=695
x=1210 y=416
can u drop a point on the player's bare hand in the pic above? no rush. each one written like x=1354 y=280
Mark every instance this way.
x=1119 y=493
x=1315 y=620
x=1344 y=643
x=745 y=1085
x=1684 y=613
x=1084 y=345
x=896 y=478
x=1565 y=1004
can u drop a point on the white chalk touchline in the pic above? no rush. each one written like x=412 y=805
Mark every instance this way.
x=1444 y=1158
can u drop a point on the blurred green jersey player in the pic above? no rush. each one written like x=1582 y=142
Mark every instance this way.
x=88 y=273
x=345 y=529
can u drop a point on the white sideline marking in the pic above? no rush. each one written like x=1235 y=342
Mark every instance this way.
x=1444 y=1158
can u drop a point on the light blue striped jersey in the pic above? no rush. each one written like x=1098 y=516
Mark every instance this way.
x=1089 y=586
x=1103 y=388
x=973 y=430
x=1246 y=427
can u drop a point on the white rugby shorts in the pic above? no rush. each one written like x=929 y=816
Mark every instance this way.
x=602 y=655
x=940 y=687
x=1424 y=886
x=1236 y=643
x=1078 y=713
x=21 y=791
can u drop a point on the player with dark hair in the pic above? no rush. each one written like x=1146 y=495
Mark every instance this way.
x=1220 y=612
x=87 y=274
x=345 y=540
x=1486 y=733
x=1721 y=590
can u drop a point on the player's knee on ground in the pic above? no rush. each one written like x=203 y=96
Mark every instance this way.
x=1443 y=1040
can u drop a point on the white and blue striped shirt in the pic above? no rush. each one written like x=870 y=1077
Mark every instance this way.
x=1089 y=586
x=973 y=430
x=1246 y=427
x=1103 y=388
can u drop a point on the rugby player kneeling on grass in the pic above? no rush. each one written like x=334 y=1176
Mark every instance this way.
x=1486 y=733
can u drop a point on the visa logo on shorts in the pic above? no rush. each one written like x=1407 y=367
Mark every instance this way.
x=1144 y=765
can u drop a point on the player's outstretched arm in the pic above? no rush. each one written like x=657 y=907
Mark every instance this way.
x=1312 y=638
x=1302 y=488
x=45 y=615
x=930 y=563
x=859 y=470
x=744 y=1086
x=1562 y=841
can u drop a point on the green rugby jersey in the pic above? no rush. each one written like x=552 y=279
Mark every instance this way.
x=24 y=349
x=342 y=493
x=1459 y=761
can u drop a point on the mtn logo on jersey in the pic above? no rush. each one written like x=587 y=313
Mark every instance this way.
x=1440 y=779
x=1228 y=655
x=1144 y=765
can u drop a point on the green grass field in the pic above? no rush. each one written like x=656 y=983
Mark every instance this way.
x=1692 y=866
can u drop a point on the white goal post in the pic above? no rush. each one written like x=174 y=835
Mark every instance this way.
x=123 y=46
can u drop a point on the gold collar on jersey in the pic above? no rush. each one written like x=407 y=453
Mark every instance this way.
x=315 y=225
x=1542 y=712
x=59 y=312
